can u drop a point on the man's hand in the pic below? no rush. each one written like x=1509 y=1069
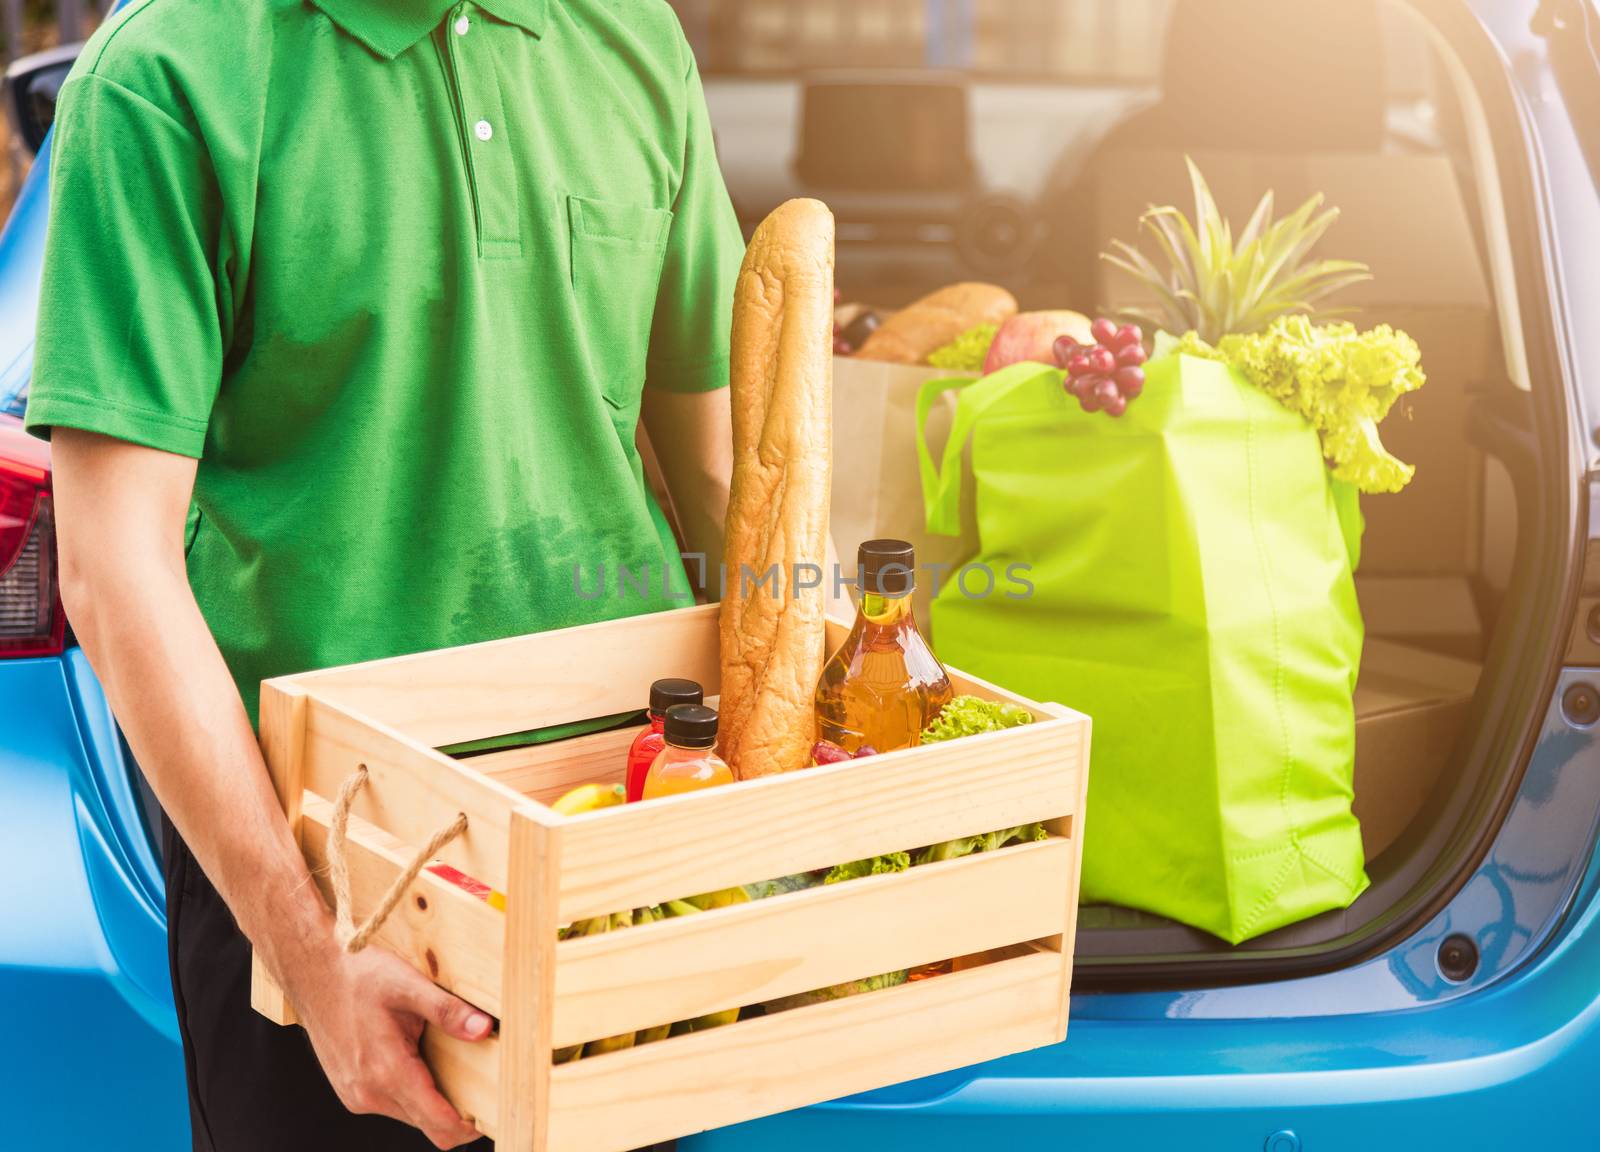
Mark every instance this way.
x=365 y=1013
x=120 y=524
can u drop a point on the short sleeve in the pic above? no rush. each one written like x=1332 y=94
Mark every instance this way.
x=694 y=306
x=129 y=341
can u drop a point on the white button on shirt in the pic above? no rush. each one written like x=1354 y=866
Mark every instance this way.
x=483 y=129
x=462 y=24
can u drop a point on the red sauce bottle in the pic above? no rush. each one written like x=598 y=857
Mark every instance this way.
x=663 y=695
x=687 y=763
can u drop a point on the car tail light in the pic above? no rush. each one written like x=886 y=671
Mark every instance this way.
x=31 y=620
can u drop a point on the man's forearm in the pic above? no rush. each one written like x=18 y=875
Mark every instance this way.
x=186 y=724
x=120 y=527
x=692 y=436
x=699 y=487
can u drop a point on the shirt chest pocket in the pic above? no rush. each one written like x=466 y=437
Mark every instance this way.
x=617 y=255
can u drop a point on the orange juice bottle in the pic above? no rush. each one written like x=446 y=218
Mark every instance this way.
x=687 y=763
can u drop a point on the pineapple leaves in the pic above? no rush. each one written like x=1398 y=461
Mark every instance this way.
x=1140 y=267
x=1215 y=284
x=1259 y=219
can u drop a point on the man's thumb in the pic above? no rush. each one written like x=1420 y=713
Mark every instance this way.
x=456 y=1017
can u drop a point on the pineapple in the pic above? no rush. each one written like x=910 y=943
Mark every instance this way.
x=1215 y=285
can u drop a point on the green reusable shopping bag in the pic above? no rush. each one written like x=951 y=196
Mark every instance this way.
x=1191 y=580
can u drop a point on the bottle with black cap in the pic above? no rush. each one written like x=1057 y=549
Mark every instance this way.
x=642 y=753
x=884 y=684
x=688 y=761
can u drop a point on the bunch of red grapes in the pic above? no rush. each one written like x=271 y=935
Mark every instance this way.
x=827 y=752
x=1107 y=374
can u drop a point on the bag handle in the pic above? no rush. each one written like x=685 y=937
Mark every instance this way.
x=941 y=484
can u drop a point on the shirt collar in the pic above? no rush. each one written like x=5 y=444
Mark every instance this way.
x=389 y=27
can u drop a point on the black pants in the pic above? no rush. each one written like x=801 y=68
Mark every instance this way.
x=253 y=1086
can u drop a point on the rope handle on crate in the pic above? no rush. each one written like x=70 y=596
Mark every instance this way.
x=356 y=938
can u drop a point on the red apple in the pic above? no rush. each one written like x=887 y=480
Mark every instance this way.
x=1032 y=336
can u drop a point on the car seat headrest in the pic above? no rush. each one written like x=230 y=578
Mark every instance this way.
x=1272 y=76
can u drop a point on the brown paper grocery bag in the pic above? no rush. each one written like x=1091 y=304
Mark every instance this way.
x=877 y=488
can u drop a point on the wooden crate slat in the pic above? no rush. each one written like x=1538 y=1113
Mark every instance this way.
x=1066 y=943
x=792 y=1059
x=526 y=1058
x=468 y=1074
x=411 y=791
x=545 y=772
x=282 y=732
x=643 y=853
x=749 y=954
x=526 y=682
x=452 y=935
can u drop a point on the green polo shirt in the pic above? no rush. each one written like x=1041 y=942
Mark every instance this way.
x=396 y=272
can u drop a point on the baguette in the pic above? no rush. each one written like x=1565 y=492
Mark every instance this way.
x=912 y=333
x=782 y=401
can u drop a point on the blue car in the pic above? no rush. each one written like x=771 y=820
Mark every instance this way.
x=1456 y=1004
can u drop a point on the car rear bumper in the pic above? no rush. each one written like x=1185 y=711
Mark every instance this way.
x=1510 y=1066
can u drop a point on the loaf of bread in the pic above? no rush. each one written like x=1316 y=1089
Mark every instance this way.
x=908 y=336
x=782 y=399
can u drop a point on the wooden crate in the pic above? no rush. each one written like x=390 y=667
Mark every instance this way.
x=1007 y=915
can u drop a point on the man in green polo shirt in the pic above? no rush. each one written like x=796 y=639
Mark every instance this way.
x=350 y=312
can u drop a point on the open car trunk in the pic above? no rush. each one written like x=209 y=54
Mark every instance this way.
x=1447 y=564
x=1401 y=115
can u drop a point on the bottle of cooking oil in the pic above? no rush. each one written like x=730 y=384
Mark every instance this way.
x=687 y=762
x=884 y=685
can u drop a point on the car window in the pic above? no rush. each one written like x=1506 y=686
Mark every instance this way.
x=1066 y=41
x=959 y=140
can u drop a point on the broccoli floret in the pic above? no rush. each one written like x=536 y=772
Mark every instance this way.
x=966 y=352
x=798 y=882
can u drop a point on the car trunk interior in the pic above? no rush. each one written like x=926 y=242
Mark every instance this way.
x=1289 y=113
x=1359 y=102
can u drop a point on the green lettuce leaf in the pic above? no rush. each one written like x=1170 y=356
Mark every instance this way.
x=1344 y=382
x=970 y=715
x=966 y=846
x=893 y=862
